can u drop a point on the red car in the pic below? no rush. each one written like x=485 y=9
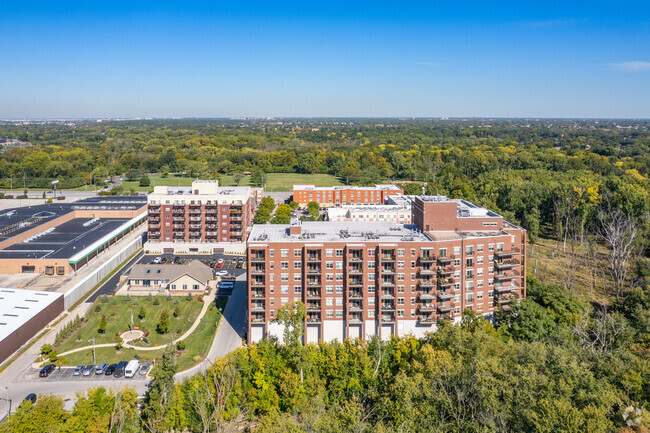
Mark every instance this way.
x=219 y=263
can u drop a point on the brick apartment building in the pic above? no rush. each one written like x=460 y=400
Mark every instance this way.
x=329 y=196
x=203 y=213
x=361 y=279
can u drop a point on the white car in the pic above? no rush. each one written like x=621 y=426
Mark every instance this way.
x=221 y=273
x=157 y=260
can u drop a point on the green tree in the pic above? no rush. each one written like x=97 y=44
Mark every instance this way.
x=102 y=325
x=262 y=216
x=160 y=398
x=163 y=323
x=292 y=317
x=142 y=313
x=257 y=177
x=145 y=181
x=237 y=177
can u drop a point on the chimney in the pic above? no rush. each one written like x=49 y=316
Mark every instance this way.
x=295 y=228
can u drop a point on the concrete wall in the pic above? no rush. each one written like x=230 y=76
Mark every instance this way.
x=30 y=328
x=82 y=287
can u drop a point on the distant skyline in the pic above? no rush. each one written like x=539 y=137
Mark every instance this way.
x=144 y=59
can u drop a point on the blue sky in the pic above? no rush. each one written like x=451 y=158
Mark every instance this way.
x=335 y=58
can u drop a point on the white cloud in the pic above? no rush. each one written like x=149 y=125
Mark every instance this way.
x=632 y=66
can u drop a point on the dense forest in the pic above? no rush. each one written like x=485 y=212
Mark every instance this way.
x=558 y=361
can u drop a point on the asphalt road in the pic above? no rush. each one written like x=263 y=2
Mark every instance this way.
x=108 y=288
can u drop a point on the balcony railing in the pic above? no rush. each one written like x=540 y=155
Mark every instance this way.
x=257 y=283
x=445 y=282
x=257 y=271
x=355 y=259
x=355 y=295
x=257 y=295
x=427 y=284
x=427 y=258
x=257 y=309
x=506 y=263
x=507 y=275
x=426 y=296
x=446 y=270
x=313 y=307
x=448 y=306
x=355 y=283
x=387 y=307
x=258 y=259
x=430 y=308
x=427 y=320
x=388 y=283
x=355 y=307
x=426 y=272
x=313 y=259
x=443 y=296
x=511 y=252
x=313 y=295
x=446 y=259
x=258 y=320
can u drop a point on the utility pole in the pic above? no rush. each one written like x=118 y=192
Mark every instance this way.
x=93 y=340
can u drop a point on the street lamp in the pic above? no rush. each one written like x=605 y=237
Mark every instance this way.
x=8 y=402
x=93 y=340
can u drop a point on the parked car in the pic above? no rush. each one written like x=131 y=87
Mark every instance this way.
x=101 y=368
x=145 y=368
x=177 y=260
x=45 y=371
x=79 y=370
x=240 y=264
x=219 y=263
x=119 y=369
x=110 y=369
x=30 y=397
x=89 y=369
x=220 y=273
x=131 y=368
x=157 y=260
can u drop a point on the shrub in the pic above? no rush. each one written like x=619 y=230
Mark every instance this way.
x=21 y=197
x=119 y=343
x=197 y=359
x=177 y=302
x=189 y=297
x=102 y=325
x=156 y=301
x=53 y=356
x=104 y=299
x=142 y=314
x=49 y=200
x=43 y=194
x=150 y=297
x=136 y=302
x=177 y=311
x=114 y=302
x=2 y=195
x=127 y=298
x=98 y=308
x=46 y=348
x=180 y=345
x=169 y=298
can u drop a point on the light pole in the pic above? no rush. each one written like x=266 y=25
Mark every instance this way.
x=93 y=340
x=8 y=402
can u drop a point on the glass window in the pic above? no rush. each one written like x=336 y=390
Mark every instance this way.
x=284 y=253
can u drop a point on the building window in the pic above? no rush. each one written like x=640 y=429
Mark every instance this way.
x=371 y=314
x=400 y=301
x=479 y=260
x=329 y=265
x=371 y=265
x=339 y=289
x=371 y=289
x=297 y=277
x=329 y=253
x=400 y=253
x=195 y=287
x=400 y=289
x=297 y=265
x=456 y=251
x=284 y=265
x=184 y=286
x=284 y=289
x=339 y=265
x=339 y=313
x=284 y=277
x=297 y=253
x=297 y=289
x=339 y=253
x=284 y=301
x=479 y=248
x=329 y=302
x=339 y=301
x=329 y=314
x=400 y=265
x=329 y=289
x=371 y=302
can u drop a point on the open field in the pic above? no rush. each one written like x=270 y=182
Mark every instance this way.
x=274 y=181
x=118 y=319
x=587 y=276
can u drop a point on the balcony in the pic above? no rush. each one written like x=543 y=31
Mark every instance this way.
x=446 y=270
x=507 y=288
x=236 y=212
x=426 y=284
x=514 y=251
x=258 y=320
x=355 y=271
x=355 y=294
x=257 y=283
x=388 y=283
x=427 y=320
x=355 y=320
x=425 y=271
x=388 y=307
x=313 y=271
x=506 y=263
x=443 y=295
x=313 y=318
x=355 y=283
x=257 y=309
x=356 y=307
x=154 y=209
x=257 y=271
x=506 y=298
x=154 y=225
x=507 y=275
x=387 y=257
x=387 y=295
x=314 y=283
x=446 y=259
x=446 y=306
x=446 y=316
x=388 y=271
x=445 y=282
x=427 y=258
x=388 y=318
x=257 y=295
x=154 y=233
x=236 y=218
x=258 y=259
x=427 y=308
x=426 y=296
x=312 y=258
x=355 y=259
x=313 y=307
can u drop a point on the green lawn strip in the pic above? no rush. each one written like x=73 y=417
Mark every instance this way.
x=118 y=318
x=103 y=280
x=199 y=342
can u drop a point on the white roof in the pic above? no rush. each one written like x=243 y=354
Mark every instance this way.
x=18 y=306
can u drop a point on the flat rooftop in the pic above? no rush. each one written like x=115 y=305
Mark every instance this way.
x=315 y=232
x=383 y=187
x=19 y=306
x=63 y=241
x=17 y=220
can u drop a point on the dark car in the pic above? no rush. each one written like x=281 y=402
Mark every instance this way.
x=31 y=397
x=45 y=371
x=240 y=264
x=119 y=369
x=110 y=369
x=177 y=260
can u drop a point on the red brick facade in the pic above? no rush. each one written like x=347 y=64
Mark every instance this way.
x=344 y=195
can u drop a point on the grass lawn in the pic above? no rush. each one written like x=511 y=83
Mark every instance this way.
x=274 y=181
x=198 y=343
x=118 y=319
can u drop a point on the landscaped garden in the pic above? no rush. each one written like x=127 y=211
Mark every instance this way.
x=114 y=315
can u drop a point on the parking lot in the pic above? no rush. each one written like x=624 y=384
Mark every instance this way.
x=66 y=375
x=229 y=262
